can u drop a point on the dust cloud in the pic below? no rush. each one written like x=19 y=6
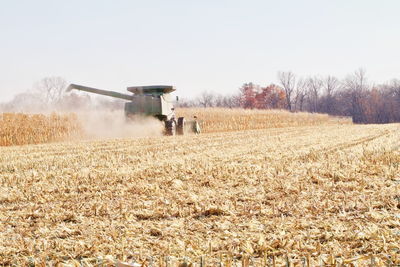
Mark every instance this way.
x=97 y=118
x=114 y=124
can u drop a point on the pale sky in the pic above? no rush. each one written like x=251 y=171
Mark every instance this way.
x=194 y=45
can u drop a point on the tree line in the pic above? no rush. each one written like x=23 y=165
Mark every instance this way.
x=352 y=96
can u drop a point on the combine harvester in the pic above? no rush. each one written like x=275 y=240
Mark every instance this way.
x=154 y=100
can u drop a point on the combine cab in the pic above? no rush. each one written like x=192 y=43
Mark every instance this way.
x=154 y=100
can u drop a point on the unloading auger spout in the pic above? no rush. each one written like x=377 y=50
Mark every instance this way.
x=99 y=91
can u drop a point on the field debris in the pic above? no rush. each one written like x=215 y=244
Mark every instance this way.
x=210 y=212
x=318 y=190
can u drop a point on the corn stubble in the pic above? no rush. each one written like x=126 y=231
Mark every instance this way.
x=327 y=189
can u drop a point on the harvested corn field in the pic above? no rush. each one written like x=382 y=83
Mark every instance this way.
x=327 y=189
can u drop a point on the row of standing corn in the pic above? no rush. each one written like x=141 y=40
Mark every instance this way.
x=227 y=120
x=22 y=129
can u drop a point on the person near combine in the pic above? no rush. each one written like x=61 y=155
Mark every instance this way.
x=196 y=126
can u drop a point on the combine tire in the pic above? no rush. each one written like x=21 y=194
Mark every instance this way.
x=180 y=129
x=170 y=127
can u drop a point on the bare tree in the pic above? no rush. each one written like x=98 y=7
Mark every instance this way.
x=74 y=102
x=233 y=101
x=186 y=103
x=356 y=85
x=330 y=84
x=220 y=100
x=206 y=99
x=314 y=86
x=395 y=85
x=394 y=98
x=51 y=89
x=24 y=102
x=288 y=82
x=300 y=94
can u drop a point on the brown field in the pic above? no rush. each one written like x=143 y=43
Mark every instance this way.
x=331 y=188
